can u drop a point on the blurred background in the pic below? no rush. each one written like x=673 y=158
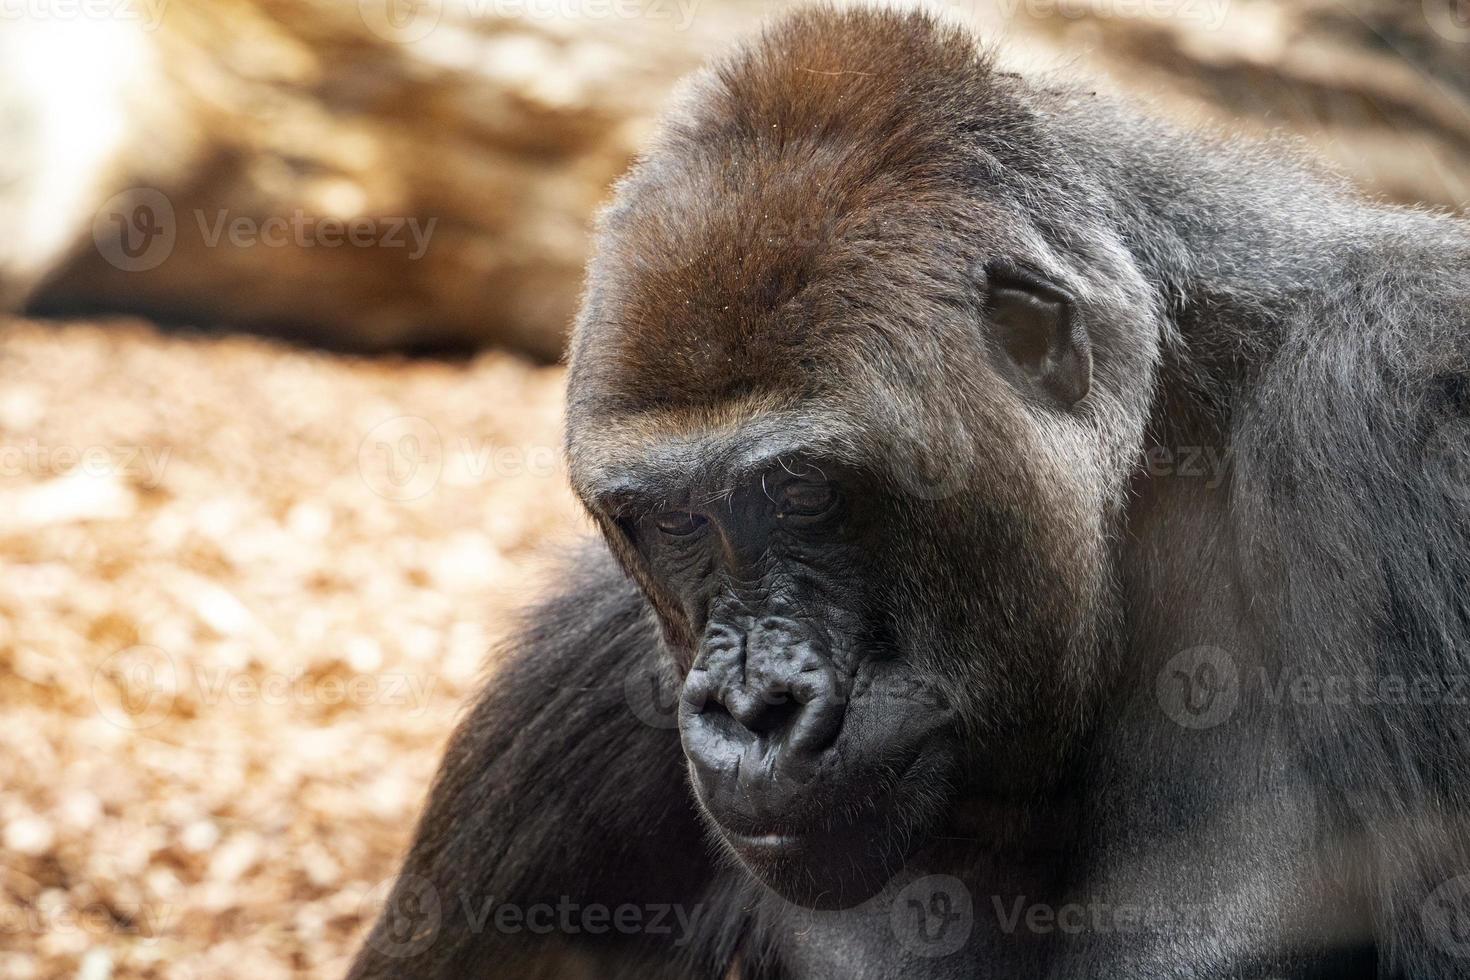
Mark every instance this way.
x=283 y=287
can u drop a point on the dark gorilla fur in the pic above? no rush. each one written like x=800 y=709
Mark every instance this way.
x=1041 y=654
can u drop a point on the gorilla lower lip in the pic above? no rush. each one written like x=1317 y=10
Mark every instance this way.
x=765 y=842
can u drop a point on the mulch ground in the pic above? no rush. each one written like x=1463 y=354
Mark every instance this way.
x=245 y=590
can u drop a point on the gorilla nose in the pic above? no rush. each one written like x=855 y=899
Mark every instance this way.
x=759 y=710
x=796 y=710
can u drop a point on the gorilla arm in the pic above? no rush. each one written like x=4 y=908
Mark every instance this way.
x=553 y=793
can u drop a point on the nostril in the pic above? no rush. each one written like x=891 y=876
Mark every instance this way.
x=715 y=720
x=776 y=713
x=758 y=712
x=787 y=725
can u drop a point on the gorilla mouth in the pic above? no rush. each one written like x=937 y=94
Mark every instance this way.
x=818 y=792
x=834 y=869
x=840 y=862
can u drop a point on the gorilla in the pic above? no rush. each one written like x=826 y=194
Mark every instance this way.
x=1035 y=542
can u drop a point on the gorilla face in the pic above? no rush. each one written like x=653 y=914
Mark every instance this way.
x=877 y=603
x=814 y=743
x=860 y=428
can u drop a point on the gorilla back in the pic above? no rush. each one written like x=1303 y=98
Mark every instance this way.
x=1049 y=530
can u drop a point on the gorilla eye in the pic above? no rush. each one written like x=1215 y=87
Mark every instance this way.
x=679 y=523
x=805 y=498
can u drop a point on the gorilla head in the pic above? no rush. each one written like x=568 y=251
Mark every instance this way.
x=854 y=396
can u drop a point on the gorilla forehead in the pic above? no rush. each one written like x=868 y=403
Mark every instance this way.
x=763 y=241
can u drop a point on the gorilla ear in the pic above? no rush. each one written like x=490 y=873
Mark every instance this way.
x=1033 y=323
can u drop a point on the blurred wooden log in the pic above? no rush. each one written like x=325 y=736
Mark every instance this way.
x=1379 y=88
x=368 y=175
x=65 y=118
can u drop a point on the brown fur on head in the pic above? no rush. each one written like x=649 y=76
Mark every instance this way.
x=769 y=195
